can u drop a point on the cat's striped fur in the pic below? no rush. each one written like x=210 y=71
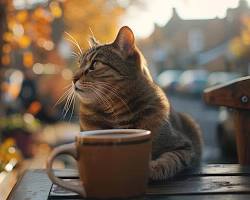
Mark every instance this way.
x=116 y=90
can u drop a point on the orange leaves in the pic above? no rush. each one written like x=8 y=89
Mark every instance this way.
x=34 y=107
x=5 y=59
x=7 y=36
x=24 y=41
x=6 y=48
x=28 y=59
x=26 y=27
x=22 y=16
x=239 y=46
x=245 y=37
x=100 y=15
x=55 y=9
x=41 y=15
x=236 y=46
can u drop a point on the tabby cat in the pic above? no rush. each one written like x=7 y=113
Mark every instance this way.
x=116 y=90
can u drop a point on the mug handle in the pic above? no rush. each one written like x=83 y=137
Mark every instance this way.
x=69 y=149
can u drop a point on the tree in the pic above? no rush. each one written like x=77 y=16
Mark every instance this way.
x=3 y=6
x=240 y=45
x=100 y=16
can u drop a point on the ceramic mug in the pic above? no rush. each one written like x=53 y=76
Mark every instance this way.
x=111 y=163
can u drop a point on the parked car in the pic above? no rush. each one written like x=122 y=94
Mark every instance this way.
x=216 y=78
x=192 y=82
x=168 y=79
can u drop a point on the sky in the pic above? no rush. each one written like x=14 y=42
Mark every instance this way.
x=142 y=19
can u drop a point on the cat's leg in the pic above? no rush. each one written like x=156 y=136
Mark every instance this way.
x=170 y=163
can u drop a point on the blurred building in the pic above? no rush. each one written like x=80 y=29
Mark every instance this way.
x=195 y=43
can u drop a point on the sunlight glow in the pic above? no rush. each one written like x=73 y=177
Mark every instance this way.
x=142 y=19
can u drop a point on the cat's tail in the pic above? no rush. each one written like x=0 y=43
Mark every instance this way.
x=193 y=132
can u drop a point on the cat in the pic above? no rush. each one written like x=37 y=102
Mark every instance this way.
x=115 y=90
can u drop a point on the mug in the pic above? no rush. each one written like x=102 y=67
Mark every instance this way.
x=111 y=163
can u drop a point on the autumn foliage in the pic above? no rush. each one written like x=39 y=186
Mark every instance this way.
x=29 y=30
x=240 y=45
x=100 y=16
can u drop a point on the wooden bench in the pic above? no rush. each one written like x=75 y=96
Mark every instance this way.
x=206 y=182
x=235 y=95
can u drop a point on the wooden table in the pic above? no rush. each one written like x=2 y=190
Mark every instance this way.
x=8 y=180
x=207 y=182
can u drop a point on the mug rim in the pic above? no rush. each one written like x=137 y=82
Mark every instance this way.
x=100 y=136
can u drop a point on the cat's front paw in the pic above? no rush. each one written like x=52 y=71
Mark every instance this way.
x=155 y=171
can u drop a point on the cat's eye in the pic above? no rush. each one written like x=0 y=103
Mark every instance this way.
x=93 y=65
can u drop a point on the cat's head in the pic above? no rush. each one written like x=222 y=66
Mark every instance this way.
x=107 y=66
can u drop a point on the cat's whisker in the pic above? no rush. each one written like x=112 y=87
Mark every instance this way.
x=90 y=44
x=69 y=102
x=108 y=85
x=109 y=107
x=75 y=42
x=92 y=34
x=63 y=97
x=65 y=108
x=78 y=52
x=99 y=98
x=73 y=101
x=115 y=93
x=75 y=55
x=73 y=106
x=68 y=97
x=104 y=97
x=103 y=100
x=92 y=40
x=105 y=94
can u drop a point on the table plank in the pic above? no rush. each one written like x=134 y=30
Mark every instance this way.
x=191 y=197
x=208 y=182
x=204 y=170
x=202 y=185
x=34 y=185
x=202 y=197
x=218 y=170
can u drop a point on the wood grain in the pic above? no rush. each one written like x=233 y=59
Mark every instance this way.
x=203 y=185
x=201 y=197
x=207 y=182
x=242 y=124
x=34 y=185
x=217 y=170
x=235 y=94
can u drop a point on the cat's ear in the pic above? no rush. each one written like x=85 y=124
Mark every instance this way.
x=125 y=41
x=93 y=42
